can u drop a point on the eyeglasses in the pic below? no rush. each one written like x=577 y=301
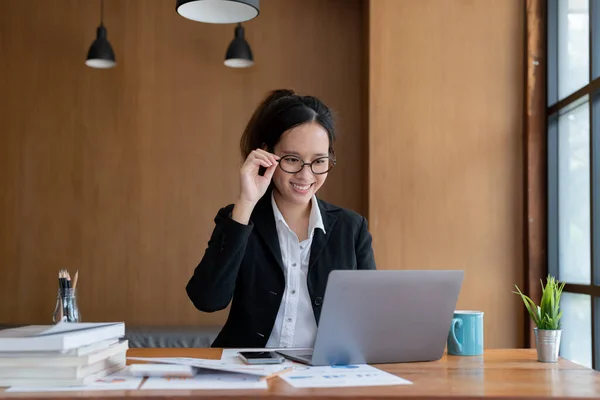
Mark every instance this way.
x=293 y=165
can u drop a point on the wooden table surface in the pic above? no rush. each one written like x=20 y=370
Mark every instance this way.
x=497 y=374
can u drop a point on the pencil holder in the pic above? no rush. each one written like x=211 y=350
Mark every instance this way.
x=66 y=308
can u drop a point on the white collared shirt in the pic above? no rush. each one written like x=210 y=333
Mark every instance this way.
x=295 y=325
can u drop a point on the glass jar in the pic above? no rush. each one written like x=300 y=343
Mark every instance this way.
x=66 y=308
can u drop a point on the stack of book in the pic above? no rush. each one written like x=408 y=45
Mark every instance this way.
x=65 y=354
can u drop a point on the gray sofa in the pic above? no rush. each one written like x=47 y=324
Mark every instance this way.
x=201 y=336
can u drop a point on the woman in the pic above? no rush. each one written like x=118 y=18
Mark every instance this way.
x=272 y=250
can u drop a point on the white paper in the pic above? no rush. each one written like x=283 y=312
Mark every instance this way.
x=111 y=382
x=44 y=330
x=217 y=365
x=162 y=370
x=341 y=376
x=206 y=380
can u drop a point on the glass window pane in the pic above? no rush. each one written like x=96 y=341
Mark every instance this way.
x=596 y=189
x=576 y=324
x=573 y=46
x=553 y=195
x=574 y=248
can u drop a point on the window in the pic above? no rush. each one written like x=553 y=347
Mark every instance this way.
x=573 y=46
x=574 y=171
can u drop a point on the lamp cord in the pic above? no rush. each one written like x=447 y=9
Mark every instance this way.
x=101 y=12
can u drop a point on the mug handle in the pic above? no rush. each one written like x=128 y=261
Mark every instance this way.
x=455 y=322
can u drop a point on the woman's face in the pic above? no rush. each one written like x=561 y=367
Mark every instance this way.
x=306 y=142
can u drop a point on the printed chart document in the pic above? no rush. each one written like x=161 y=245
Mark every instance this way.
x=111 y=382
x=341 y=376
x=206 y=380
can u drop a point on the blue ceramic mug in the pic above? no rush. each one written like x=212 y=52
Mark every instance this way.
x=466 y=334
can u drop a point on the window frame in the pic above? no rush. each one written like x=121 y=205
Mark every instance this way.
x=553 y=108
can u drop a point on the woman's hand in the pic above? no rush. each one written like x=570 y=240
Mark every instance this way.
x=252 y=185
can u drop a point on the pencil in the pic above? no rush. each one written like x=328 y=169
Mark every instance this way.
x=61 y=279
x=75 y=279
x=274 y=374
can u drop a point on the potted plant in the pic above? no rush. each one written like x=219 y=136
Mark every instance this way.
x=546 y=317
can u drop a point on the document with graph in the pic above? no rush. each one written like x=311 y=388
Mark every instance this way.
x=341 y=376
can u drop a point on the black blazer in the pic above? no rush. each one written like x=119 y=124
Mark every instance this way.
x=244 y=262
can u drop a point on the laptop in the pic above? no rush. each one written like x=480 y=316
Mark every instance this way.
x=380 y=316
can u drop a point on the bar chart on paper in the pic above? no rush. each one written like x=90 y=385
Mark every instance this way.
x=341 y=376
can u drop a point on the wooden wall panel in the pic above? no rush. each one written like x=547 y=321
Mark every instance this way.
x=445 y=148
x=119 y=173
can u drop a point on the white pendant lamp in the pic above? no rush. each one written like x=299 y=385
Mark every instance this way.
x=101 y=54
x=239 y=54
x=218 y=11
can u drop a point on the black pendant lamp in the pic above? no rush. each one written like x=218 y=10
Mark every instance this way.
x=101 y=54
x=239 y=54
x=218 y=11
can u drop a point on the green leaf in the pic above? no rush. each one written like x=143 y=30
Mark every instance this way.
x=531 y=307
x=551 y=309
x=548 y=314
x=558 y=320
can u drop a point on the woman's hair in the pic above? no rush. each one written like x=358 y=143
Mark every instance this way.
x=282 y=110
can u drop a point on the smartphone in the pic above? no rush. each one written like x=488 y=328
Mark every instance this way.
x=261 y=357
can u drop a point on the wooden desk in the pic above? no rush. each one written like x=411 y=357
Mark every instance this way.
x=498 y=374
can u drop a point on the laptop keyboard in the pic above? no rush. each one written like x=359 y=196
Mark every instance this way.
x=302 y=354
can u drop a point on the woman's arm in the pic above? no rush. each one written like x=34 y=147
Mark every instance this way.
x=364 y=251
x=212 y=285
